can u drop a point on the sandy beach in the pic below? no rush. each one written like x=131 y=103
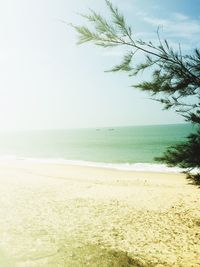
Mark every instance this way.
x=56 y=215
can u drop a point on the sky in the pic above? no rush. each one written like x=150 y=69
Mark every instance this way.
x=48 y=82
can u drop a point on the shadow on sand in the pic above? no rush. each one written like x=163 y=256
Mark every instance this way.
x=95 y=256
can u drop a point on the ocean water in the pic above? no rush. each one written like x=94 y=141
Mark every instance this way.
x=121 y=147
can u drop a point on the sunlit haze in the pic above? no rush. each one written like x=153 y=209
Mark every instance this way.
x=47 y=81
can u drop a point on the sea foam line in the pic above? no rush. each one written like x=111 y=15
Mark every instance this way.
x=138 y=167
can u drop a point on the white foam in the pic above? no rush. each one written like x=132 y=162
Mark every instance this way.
x=139 y=167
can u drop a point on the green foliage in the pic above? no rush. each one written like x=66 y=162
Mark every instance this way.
x=125 y=64
x=175 y=78
x=185 y=155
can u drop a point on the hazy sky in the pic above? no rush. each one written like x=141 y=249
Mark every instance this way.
x=47 y=81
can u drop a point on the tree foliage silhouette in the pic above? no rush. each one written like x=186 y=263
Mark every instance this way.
x=175 y=77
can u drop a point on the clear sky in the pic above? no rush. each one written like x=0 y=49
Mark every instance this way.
x=47 y=81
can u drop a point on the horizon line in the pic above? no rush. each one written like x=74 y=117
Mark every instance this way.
x=93 y=127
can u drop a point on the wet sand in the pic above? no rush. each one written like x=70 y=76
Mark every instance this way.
x=55 y=215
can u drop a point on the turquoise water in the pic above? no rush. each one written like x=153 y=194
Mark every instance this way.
x=139 y=144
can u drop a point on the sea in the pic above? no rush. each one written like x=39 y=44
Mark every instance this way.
x=124 y=148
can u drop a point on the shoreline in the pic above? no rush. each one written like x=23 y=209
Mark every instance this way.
x=63 y=215
x=126 y=166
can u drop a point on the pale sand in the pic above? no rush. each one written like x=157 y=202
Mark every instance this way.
x=55 y=216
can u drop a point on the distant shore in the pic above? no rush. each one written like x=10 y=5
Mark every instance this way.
x=64 y=215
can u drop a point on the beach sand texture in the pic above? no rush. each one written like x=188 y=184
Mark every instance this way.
x=55 y=216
